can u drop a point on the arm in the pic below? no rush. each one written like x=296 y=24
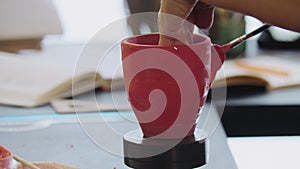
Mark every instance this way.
x=282 y=13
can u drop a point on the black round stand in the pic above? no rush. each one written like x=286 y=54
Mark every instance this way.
x=149 y=153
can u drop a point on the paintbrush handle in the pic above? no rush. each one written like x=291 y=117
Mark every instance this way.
x=25 y=163
x=239 y=40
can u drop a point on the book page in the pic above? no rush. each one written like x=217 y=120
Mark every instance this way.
x=272 y=72
x=24 y=82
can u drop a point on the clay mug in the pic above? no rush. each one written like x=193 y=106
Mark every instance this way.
x=167 y=86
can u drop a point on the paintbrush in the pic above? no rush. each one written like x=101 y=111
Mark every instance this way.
x=232 y=44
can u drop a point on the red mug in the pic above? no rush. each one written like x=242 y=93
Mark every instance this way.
x=167 y=86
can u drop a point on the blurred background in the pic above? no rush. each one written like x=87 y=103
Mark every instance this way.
x=81 y=19
x=57 y=31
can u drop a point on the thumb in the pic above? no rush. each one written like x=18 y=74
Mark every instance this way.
x=172 y=23
x=180 y=8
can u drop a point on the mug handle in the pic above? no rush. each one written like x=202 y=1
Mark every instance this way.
x=218 y=57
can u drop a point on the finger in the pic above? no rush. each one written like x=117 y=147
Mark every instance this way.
x=168 y=40
x=173 y=27
x=180 y=8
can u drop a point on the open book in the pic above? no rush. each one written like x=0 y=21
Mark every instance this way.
x=29 y=83
x=267 y=71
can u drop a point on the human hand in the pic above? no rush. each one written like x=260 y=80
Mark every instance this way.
x=177 y=18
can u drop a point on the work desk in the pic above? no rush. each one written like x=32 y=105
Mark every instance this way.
x=62 y=138
x=40 y=134
x=58 y=138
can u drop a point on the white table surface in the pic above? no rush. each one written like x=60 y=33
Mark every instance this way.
x=266 y=152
